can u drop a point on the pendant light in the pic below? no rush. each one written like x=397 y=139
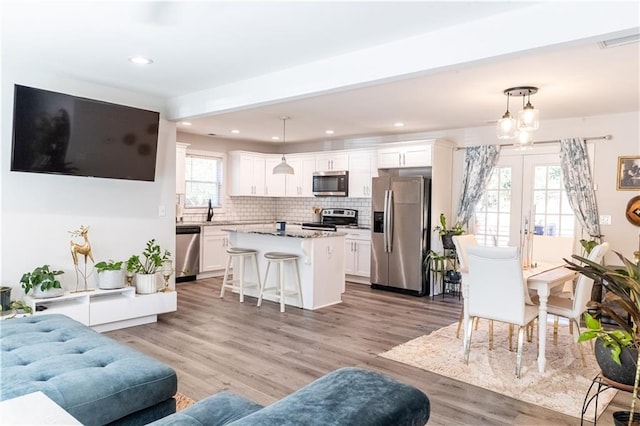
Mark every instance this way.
x=283 y=168
x=507 y=124
x=528 y=118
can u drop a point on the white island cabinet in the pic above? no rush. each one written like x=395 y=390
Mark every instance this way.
x=320 y=262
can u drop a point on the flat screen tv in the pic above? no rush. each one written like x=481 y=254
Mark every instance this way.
x=64 y=134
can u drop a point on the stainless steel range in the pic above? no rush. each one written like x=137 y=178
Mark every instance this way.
x=331 y=219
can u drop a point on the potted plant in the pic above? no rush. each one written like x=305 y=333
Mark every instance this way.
x=146 y=270
x=42 y=283
x=623 y=291
x=446 y=234
x=110 y=274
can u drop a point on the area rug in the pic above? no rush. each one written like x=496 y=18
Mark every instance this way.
x=562 y=387
x=182 y=401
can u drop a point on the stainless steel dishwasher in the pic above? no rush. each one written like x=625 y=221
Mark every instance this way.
x=187 y=253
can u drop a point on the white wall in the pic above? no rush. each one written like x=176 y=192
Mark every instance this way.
x=39 y=210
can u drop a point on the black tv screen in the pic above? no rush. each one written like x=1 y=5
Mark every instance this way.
x=64 y=134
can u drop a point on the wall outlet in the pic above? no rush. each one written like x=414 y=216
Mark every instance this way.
x=605 y=219
x=162 y=211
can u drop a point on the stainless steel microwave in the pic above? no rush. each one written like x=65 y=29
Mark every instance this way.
x=331 y=184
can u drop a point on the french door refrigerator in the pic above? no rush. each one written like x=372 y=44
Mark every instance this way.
x=400 y=233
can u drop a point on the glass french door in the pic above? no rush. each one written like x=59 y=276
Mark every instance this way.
x=525 y=188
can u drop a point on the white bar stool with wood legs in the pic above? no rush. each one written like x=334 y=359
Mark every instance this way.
x=281 y=259
x=239 y=284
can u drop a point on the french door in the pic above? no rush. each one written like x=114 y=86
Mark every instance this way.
x=526 y=190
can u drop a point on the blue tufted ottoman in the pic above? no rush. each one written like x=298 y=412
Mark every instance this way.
x=94 y=378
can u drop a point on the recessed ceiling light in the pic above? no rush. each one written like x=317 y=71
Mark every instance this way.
x=185 y=123
x=235 y=131
x=398 y=124
x=140 y=60
x=275 y=138
x=329 y=132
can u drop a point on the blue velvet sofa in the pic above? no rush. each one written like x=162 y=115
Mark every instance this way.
x=346 y=397
x=94 y=378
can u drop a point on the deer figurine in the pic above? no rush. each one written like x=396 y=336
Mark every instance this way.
x=83 y=249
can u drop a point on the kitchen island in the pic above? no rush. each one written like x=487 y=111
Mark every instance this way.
x=320 y=262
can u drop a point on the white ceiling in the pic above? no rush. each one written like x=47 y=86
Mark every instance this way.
x=197 y=46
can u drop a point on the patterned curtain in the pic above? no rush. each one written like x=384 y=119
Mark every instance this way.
x=479 y=162
x=579 y=185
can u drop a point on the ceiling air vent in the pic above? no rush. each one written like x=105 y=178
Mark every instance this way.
x=605 y=44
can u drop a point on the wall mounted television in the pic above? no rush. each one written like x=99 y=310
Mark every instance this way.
x=64 y=134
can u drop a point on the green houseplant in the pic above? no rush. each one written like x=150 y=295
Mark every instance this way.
x=110 y=274
x=146 y=270
x=623 y=291
x=42 y=282
x=447 y=233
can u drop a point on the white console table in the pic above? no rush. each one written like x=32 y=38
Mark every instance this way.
x=106 y=310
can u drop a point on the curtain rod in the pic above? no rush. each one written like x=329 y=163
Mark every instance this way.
x=592 y=138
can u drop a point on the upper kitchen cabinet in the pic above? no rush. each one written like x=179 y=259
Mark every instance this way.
x=406 y=154
x=181 y=156
x=362 y=167
x=247 y=174
x=299 y=184
x=331 y=161
x=274 y=185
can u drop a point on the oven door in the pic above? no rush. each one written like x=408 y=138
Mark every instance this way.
x=331 y=184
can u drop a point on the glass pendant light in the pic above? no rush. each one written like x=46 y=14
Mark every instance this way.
x=525 y=139
x=283 y=168
x=507 y=124
x=529 y=117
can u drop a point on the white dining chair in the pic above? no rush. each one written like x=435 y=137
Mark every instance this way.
x=461 y=242
x=573 y=308
x=497 y=292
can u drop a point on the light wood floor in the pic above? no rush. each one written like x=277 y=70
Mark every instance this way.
x=219 y=344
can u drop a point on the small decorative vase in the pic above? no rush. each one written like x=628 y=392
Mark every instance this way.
x=5 y=298
x=108 y=280
x=146 y=283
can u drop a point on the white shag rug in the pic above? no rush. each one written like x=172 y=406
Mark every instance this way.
x=562 y=387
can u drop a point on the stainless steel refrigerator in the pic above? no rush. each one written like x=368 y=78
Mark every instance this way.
x=400 y=234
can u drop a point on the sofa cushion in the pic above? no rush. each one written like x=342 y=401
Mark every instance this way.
x=94 y=378
x=348 y=396
x=216 y=410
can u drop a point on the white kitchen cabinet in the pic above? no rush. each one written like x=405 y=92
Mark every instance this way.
x=274 y=185
x=299 y=184
x=181 y=156
x=213 y=248
x=406 y=154
x=357 y=259
x=331 y=161
x=247 y=174
x=362 y=168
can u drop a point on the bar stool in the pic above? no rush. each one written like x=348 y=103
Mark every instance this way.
x=281 y=259
x=239 y=284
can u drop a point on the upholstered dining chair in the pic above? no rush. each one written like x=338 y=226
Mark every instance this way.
x=461 y=242
x=496 y=292
x=573 y=308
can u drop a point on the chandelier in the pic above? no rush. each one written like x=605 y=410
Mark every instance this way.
x=528 y=119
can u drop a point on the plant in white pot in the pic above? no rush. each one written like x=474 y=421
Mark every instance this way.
x=146 y=270
x=110 y=274
x=42 y=283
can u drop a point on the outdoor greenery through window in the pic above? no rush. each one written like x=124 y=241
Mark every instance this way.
x=553 y=214
x=493 y=211
x=203 y=181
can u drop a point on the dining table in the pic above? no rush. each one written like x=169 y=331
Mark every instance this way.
x=541 y=277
